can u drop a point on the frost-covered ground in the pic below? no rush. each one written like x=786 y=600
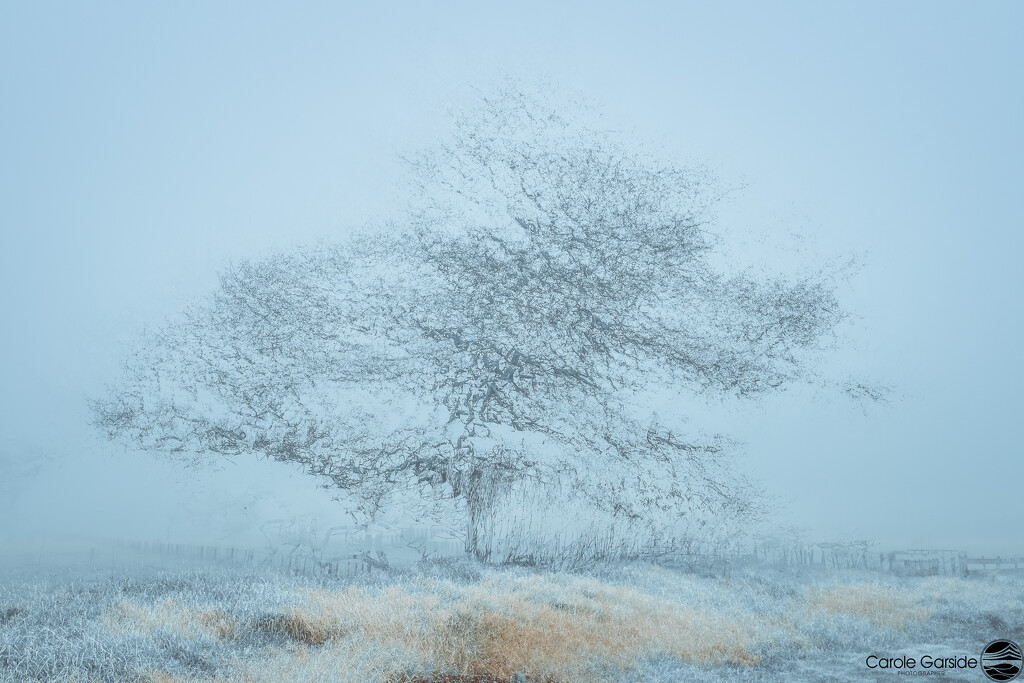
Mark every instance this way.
x=455 y=621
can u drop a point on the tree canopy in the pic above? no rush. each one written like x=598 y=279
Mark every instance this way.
x=499 y=333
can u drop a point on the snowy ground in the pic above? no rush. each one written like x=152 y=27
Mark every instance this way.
x=451 y=621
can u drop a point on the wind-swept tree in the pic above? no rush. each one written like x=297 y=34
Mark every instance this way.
x=499 y=335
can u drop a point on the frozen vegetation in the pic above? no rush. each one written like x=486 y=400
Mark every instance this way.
x=495 y=356
x=546 y=341
x=455 y=620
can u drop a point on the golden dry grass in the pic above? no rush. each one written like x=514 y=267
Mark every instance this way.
x=555 y=629
x=189 y=622
x=499 y=629
x=546 y=629
x=161 y=677
x=147 y=677
x=882 y=605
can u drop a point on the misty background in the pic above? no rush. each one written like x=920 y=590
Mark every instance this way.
x=143 y=148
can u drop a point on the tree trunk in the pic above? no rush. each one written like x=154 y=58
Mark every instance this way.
x=477 y=500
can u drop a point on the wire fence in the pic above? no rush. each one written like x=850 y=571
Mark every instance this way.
x=352 y=552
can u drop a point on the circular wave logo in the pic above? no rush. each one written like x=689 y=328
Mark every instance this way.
x=1001 y=660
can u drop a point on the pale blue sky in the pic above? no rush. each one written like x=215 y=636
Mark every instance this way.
x=142 y=146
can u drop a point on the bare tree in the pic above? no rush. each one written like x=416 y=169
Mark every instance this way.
x=499 y=335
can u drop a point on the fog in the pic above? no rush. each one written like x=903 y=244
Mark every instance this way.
x=142 y=149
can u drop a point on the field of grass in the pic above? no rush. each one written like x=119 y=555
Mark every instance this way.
x=452 y=621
